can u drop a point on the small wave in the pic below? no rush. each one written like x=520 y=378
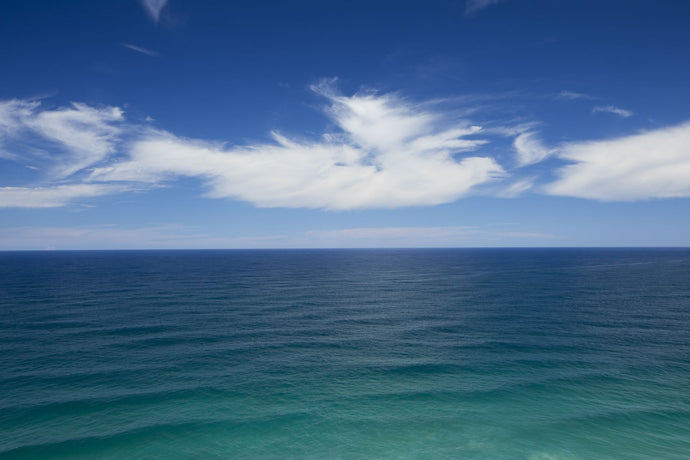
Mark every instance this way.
x=115 y=400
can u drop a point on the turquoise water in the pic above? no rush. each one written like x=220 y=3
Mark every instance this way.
x=496 y=354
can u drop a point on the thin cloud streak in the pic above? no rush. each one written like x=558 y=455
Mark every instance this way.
x=420 y=237
x=572 y=95
x=396 y=232
x=516 y=188
x=613 y=109
x=139 y=49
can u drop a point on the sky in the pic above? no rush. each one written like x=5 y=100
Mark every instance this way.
x=159 y=124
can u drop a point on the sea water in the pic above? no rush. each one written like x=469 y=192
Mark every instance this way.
x=443 y=353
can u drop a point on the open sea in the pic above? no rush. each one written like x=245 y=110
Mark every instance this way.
x=431 y=353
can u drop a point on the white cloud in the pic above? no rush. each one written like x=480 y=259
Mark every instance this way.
x=473 y=6
x=614 y=110
x=517 y=188
x=9 y=156
x=388 y=154
x=399 y=237
x=530 y=149
x=386 y=123
x=12 y=115
x=396 y=232
x=84 y=135
x=52 y=197
x=572 y=95
x=87 y=133
x=153 y=8
x=382 y=151
x=139 y=49
x=653 y=164
x=393 y=237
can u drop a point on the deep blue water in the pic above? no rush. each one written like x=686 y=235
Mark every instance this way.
x=491 y=353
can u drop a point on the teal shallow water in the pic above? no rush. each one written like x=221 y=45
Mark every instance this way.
x=497 y=354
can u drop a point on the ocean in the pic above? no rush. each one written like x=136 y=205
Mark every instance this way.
x=414 y=353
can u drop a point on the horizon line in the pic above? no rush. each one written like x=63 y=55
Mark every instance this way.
x=338 y=248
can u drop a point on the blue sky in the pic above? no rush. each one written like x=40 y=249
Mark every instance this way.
x=252 y=124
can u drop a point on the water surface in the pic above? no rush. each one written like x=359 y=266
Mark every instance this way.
x=495 y=353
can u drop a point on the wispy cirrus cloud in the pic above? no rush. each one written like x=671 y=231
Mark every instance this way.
x=153 y=8
x=516 y=188
x=530 y=149
x=77 y=136
x=141 y=50
x=86 y=134
x=12 y=115
x=612 y=109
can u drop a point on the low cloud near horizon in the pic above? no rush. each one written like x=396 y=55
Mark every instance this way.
x=175 y=236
